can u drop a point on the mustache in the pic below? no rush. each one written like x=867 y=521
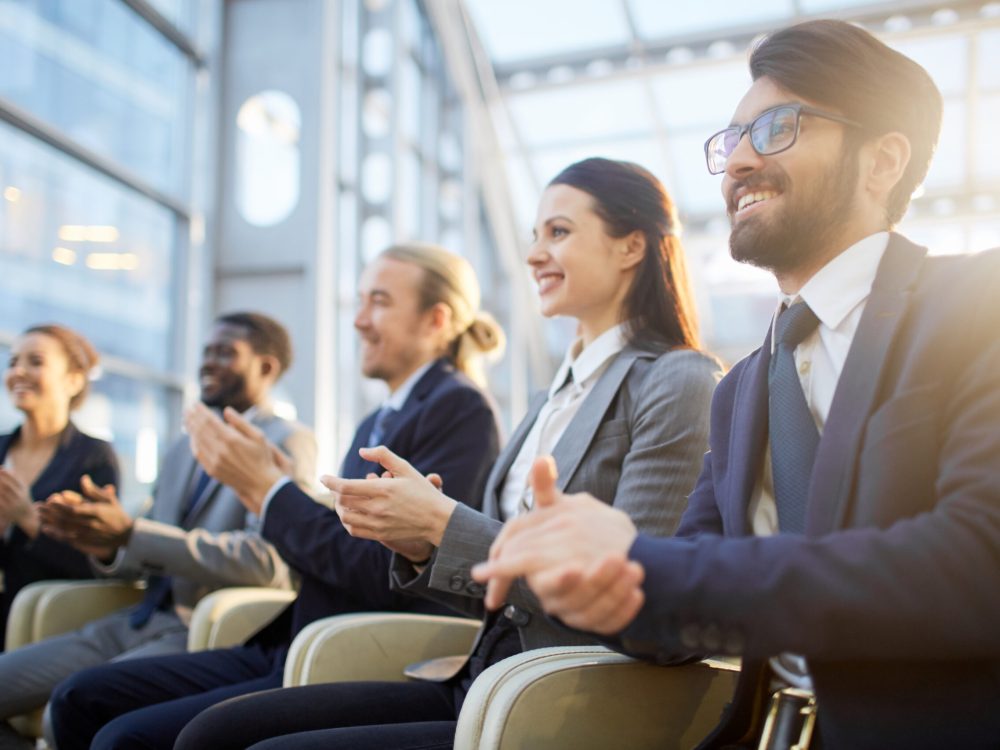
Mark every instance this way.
x=773 y=178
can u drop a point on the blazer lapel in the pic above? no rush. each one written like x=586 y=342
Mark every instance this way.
x=854 y=397
x=580 y=432
x=506 y=458
x=747 y=439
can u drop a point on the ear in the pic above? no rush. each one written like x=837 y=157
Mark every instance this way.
x=270 y=367
x=632 y=249
x=439 y=316
x=889 y=155
x=77 y=382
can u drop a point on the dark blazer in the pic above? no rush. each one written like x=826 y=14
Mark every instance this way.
x=448 y=426
x=893 y=592
x=25 y=560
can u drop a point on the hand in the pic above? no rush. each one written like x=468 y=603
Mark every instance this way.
x=98 y=527
x=235 y=453
x=16 y=506
x=572 y=551
x=406 y=506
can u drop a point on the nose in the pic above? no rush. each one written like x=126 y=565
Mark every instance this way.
x=743 y=160
x=361 y=318
x=537 y=253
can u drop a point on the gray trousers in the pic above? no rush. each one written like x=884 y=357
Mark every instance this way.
x=28 y=674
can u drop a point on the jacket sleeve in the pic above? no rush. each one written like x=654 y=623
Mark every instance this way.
x=235 y=557
x=456 y=437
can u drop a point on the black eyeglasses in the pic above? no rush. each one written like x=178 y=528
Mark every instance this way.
x=771 y=132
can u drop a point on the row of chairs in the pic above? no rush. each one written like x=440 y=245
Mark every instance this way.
x=554 y=697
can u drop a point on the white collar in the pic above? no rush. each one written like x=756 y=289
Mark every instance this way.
x=398 y=397
x=843 y=283
x=585 y=362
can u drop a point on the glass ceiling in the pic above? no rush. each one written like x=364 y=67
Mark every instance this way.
x=648 y=81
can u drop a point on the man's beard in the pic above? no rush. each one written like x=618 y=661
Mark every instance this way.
x=231 y=393
x=801 y=233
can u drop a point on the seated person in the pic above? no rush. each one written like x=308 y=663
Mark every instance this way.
x=198 y=536
x=625 y=419
x=421 y=331
x=47 y=377
x=854 y=551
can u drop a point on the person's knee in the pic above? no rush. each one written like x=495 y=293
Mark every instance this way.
x=70 y=697
x=125 y=734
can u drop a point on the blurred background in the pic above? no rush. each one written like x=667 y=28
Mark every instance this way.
x=162 y=161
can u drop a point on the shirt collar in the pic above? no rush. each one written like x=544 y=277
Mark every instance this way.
x=398 y=397
x=843 y=283
x=585 y=362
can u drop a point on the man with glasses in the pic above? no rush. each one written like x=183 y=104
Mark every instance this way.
x=844 y=535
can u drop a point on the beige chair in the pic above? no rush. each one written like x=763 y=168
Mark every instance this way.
x=373 y=646
x=578 y=697
x=47 y=608
x=229 y=616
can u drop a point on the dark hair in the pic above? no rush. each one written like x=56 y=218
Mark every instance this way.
x=845 y=68
x=81 y=355
x=658 y=310
x=265 y=335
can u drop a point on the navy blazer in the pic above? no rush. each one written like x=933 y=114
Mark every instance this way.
x=25 y=560
x=893 y=592
x=448 y=426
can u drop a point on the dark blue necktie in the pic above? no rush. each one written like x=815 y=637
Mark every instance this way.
x=159 y=588
x=383 y=421
x=793 y=432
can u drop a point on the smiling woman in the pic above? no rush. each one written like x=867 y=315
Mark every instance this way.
x=46 y=378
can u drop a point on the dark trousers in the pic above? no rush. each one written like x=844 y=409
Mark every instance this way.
x=348 y=715
x=144 y=703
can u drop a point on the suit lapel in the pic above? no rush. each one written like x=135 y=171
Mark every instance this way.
x=854 y=397
x=747 y=438
x=580 y=432
x=506 y=458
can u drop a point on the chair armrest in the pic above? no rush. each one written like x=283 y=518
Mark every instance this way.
x=46 y=608
x=373 y=646
x=229 y=616
x=592 y=697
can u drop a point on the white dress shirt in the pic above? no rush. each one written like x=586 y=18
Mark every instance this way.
x=565 y=399
x=837 y=295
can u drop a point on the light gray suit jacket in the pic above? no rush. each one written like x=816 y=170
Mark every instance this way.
x=215 y=542
x=636 y=443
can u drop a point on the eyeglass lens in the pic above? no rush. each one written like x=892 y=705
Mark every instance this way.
x=770 y=133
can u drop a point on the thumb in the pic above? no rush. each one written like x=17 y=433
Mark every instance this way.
x=239 y=423
x=97 y=494
x=389 y=460
x=543 y=481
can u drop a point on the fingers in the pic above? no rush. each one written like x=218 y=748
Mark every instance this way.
x=437 y=481
x=242 y=425
x=97 y=494
x=602 y=599
x=543 y=481
x=389 y=460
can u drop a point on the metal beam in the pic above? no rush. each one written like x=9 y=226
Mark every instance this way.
x=33 y=126
x=145 y=10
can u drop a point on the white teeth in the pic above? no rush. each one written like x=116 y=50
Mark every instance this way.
x=748 y=199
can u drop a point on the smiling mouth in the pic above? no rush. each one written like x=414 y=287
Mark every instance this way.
x=547 y=281
x=747 y=200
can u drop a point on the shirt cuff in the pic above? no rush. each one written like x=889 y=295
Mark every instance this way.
x=275 y=488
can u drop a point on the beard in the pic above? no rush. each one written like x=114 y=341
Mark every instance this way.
x=809 y=222
x=232 y=391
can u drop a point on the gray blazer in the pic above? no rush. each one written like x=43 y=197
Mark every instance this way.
x=216 y=542
x=636 y=443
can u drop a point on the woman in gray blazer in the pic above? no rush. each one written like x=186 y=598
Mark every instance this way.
x=625 y=419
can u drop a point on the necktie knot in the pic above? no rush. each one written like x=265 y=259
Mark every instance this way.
x=380 y=426
x=794 y=324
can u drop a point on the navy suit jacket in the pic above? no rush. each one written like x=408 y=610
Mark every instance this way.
x=893 y=592
x=448 y=426
x=25 y=560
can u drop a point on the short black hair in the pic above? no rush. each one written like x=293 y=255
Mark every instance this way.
x=845 y=68
x=264 y=334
